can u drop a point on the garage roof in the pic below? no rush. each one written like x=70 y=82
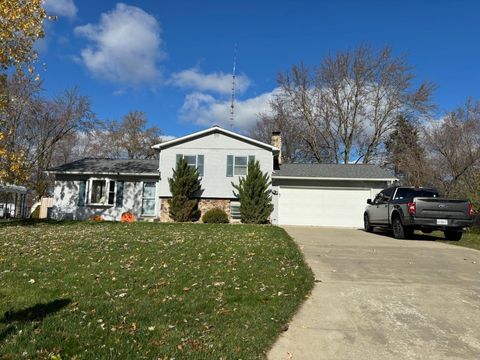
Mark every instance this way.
x=333 y=171
x=108 y=166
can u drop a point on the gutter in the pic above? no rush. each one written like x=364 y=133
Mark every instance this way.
x=331 y=178
x=101 y=173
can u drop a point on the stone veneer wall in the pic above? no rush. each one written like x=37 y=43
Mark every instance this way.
x=204 y=205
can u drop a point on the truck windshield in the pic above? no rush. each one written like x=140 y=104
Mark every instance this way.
x=409 y=193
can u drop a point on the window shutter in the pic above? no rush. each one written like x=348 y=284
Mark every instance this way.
x=119 y=199
x=200 y=164
x=82 y=193
x=178 y=158
x=229 y=165
x=251 y=158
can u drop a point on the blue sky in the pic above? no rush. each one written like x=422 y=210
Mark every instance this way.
x=173 y=59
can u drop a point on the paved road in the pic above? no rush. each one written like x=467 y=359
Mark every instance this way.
x=382 y=298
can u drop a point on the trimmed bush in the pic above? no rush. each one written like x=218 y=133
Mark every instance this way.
x=215 y=216
x=253 y=191
x=184 y=184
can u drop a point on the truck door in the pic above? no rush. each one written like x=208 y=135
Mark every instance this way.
x=383 y=210
x=374 y=210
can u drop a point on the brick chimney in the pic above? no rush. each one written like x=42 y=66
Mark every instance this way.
x=277 y=142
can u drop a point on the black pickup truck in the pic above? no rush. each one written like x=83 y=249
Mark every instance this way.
x=405 y=209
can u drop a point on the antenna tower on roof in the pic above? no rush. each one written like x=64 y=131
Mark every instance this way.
x=232 y=104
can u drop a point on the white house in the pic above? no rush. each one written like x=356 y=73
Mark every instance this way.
x=303 y=194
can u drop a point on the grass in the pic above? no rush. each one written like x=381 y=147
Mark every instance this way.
x=470 y=238
x=146 y=291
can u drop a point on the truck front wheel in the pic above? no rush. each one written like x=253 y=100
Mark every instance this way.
x=453 y=235
x=366 y=223
x=399 y=230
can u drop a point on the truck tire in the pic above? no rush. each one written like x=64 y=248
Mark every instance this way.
x=366 y=223
x=399 y=230
x=453 y=235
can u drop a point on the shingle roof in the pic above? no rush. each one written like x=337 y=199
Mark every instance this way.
x=108 y=166
x=214 y=129
x=347 y=171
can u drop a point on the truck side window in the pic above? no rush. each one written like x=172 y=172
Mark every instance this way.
x=378 y=199
x=388 y=193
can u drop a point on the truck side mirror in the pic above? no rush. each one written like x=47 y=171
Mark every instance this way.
x=369 y=201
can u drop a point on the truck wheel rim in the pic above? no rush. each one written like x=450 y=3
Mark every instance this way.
x=396 y=227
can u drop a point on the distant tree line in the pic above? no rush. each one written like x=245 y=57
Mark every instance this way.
x=45 y=132
x=362 y=106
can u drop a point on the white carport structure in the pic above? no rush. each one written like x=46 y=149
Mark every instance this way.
x=13 y=201
x=325 y=194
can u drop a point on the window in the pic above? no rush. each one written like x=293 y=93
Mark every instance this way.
x=196 y=161
x=409 y=193
x=384 y=196
x=148 y=200
x=238 y=165
x=98 y=192
x=102 y=192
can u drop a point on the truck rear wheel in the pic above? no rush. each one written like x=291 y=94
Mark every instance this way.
x=399 y=230
x=453 y=235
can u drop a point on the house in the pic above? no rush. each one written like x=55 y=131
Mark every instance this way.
x=303 y=194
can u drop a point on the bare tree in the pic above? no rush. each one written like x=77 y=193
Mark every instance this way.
x=130 y=138
x=36 y=126
x=345 y=109
x=454 y=150
x=292 y=146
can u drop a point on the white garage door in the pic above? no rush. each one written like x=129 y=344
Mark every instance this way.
x=322 y=206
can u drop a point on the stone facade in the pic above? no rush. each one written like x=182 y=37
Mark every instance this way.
x=204 y=205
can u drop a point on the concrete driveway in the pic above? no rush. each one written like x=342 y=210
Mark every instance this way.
x=381 y=298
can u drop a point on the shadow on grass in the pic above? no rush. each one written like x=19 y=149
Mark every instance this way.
x=36 y=312
x=35 y=222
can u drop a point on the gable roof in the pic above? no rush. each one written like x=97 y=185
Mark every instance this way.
x=333 y=172
x=108 y=167
x=214 y=129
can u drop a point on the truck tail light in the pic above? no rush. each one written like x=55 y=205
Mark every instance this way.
x=412 y=208
x=470 y=211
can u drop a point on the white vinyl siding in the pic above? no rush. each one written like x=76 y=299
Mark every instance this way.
x=216 y=148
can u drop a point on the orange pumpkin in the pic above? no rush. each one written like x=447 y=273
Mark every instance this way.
x=127 y=217
x=97 y=218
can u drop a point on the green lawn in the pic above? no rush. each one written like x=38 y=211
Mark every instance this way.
x=471 y=239
x=146 y=291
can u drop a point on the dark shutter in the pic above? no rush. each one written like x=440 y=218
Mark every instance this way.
x=229 y=165
x=178 y=158
x=82 y=193
x=200 y=164
x=119 y=198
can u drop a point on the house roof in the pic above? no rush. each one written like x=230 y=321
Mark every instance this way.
x=212 y=130
x=108 y=166
x=333 y=172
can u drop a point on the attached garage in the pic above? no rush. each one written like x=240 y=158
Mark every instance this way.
x=325 y=194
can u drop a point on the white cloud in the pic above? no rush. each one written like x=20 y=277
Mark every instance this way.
x=61 y=8
x=204 y=109
x=218 y=82
x=125 y=46
x=166 y=138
